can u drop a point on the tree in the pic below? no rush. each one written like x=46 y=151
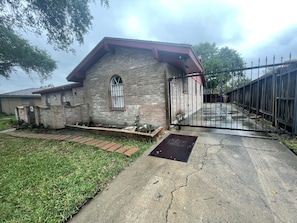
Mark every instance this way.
x=237 y=81
x=47 y=86
x=62 y=21
x=218 y=59
x=17 y=52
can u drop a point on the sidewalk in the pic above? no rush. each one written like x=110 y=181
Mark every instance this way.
x=227 y=179
x=102 y=144
x=7 y=130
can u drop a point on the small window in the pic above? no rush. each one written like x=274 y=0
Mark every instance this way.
x=117 y=93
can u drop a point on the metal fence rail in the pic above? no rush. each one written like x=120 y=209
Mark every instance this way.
x=272 y=96
x=268 y=102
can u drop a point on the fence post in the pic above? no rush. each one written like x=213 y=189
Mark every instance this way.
x=295 y=111
x=273 y=93
x=258 y=90
x=169 y=100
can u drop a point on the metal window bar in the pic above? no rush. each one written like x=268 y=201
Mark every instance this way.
x=116 y=94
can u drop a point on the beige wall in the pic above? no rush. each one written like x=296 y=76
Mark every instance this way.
x=74 y=96
x=185 y=102
x=9 y=104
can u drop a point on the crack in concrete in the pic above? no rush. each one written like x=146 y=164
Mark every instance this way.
x=169 y=206
x=278 y=217
x=204 y=158
x=203 y=161
x=173 y=191
x=221 y=142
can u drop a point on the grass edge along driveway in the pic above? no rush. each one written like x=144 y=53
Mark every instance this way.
x=47 y=181
x=6 y=121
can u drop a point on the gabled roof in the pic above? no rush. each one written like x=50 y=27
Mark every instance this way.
x=59 y=88
x=21 y=93
x=180 y=56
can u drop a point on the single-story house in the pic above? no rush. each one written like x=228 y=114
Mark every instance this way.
x=121 y=81
x=9 y=101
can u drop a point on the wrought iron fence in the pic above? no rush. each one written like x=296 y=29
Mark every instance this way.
x=272 y=95
x=260 y=97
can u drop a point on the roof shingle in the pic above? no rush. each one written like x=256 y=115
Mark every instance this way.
x=24 y=92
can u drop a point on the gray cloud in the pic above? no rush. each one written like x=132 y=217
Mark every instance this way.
x=280 y=46
x=188 y=21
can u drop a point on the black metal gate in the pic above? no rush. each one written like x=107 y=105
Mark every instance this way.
x=257 y=98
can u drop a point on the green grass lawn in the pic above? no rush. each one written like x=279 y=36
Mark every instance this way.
x=47 y=181
x=6 y=121
x=291 y=144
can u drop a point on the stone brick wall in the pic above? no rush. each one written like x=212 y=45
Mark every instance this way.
x=143 y=86
x=78 y=97
x=53 y=117
x=73 y=96
x=145 y=93
x=58 y=113
x=21 y=113
x=52 y=99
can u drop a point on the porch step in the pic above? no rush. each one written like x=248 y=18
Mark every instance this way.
x=104 y=145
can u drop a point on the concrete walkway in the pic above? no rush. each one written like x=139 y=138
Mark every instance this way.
x=102 y=144
x=227 y=116
x=7 y=130
x=227 y=179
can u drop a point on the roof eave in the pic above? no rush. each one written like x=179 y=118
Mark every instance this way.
x=20 y=96
x=107 y=44
x=59 y=88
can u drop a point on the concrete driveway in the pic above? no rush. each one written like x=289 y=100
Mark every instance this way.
x=227 y=179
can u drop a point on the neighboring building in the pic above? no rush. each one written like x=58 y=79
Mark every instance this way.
x=9 y=101
x=119 y=80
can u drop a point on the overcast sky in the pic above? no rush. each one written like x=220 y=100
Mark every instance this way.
x=254 y=28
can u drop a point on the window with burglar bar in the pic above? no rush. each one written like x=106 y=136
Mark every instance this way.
x=116 y=93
